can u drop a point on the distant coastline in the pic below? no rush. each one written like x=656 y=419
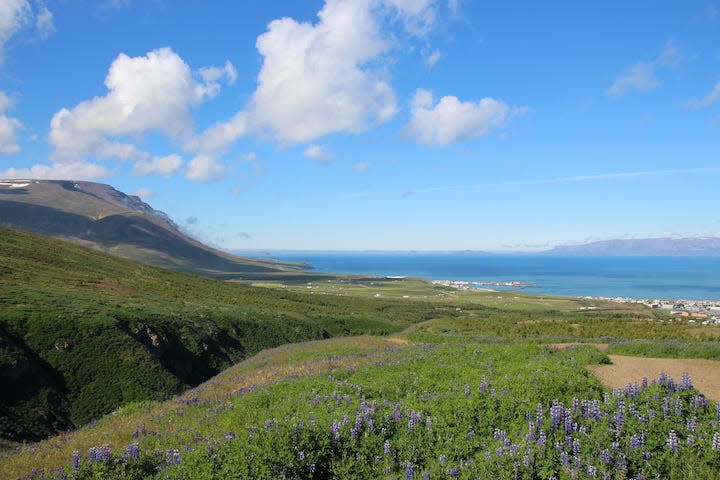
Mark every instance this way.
x=669 y=278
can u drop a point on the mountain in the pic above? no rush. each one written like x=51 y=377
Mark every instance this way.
x=101 y=217
x=83 y=332
x=691 y=246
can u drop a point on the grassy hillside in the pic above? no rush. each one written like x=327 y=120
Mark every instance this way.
x=82 y=332
x=101 y=217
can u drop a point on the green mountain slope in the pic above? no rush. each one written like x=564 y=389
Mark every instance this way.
x=101 y=217
x=83 y=332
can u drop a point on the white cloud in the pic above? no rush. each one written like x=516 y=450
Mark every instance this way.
x=204 y=168
x=144 y=193
x=707 y=100
x=315 y=79
x=60 y=171
x=318 y=153
x=150 y=93
x=324 y=77
x=433 y=58
x=8 y=127
x=17 y=15
x=641 y=76
x=44 y=21
x=451 y=120
x=164 y=166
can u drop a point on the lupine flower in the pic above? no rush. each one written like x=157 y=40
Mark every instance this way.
x=132 y=451
x=454 y=472
x=409 y=471
x=637 y=441
x=172 y=457
x=592 y=471
x=415 y=418
x=483 y=385
x=685 y=382
x=100 y=454
x=672 y=442
x=386 y=447
x=470 y=435
x=716 y=441
x=75 y=460
x=605 y=456
x=426 y=476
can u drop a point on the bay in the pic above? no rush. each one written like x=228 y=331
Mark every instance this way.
x=691 y=278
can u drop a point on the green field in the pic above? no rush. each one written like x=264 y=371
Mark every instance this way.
x=427 y=381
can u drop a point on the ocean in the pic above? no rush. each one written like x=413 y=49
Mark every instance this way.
x=690 y=278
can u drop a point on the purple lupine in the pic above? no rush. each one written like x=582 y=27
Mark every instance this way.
x=592 y=471
x=426 y=476
x=542 y=438
x=301 y=455
x=100 y=454
x=335 y=430
x=386 y=448
x=527 y=461
x=466 y=390
x=454 y=472
x=564 y=459
x=539 y=414
x=397 y=413
x=692 y=423
x=605 y=456
x=75 y=460
x=172 y=457
x=557 y=414
x=409 y=471
x=132 y=452
x=685 y=382
x=414 y=419
x=716 y=441
x=619 y=417
x=690 y=440
x=678 y=407
x=470 y=435
x=483 y=385
x=672 y=442
x=637 y=441
x=312 y=468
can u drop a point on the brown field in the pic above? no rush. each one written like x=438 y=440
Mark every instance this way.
x=705 y=374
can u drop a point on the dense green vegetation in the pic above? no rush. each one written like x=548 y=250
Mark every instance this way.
x=82 y=333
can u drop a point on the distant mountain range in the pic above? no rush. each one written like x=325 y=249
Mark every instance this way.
x=687 y=247
x=101 y=217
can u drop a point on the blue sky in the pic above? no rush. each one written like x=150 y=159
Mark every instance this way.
x=375 y=124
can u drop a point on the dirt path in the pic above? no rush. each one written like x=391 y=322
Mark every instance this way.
x=705 y=374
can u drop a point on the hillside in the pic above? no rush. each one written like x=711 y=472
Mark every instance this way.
x=692 y=246
x=83 y=332
x=104 y=218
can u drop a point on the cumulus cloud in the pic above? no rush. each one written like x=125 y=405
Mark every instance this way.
x=149 y=93
x=8 y=127
x=712 y=97
x=164 y=166
x=451 y=121
x=203 y=168
x=641 y=76
x=324 y=77
x=61 y=171
x=315 y=80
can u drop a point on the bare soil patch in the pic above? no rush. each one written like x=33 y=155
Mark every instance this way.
x=705 y=374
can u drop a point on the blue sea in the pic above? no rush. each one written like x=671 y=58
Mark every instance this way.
x=691 y=278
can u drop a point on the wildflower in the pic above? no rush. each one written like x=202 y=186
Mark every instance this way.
x=637 y=441
x=301 y=455
x=386 y=448
x=132 y=451
x=716 y=441
x=172 y=457
x=99 y=454
x=592 y=471
x=454 y=472
x=470 y=435
x=75 y=460
x=685 y=382
x=672 y=442
x=409 y=471
x=415 y=418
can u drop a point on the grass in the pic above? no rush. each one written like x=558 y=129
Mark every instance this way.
x=438 y=382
